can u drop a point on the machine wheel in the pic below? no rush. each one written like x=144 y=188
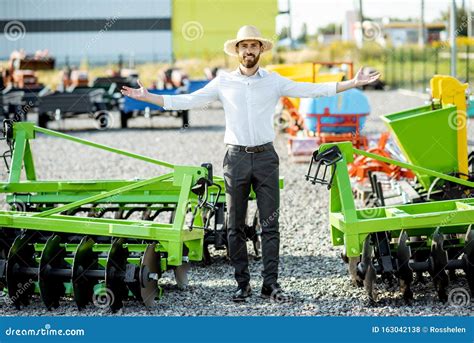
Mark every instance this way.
x=124 y=117
x=104 y=119
x=185 y=118
x=43 y=120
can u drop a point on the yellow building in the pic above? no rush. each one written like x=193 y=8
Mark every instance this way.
x=200 y=27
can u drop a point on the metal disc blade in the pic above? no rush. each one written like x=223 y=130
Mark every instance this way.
x=370 y=274
x=84 y=259
x=469 y=259
x=114 y=274
x=181 y=275
x=151 y=263
x=352 y=267
x=405 y=274
x=52 y=287
x=20 y=286
x=5 y=244
x=439 y=261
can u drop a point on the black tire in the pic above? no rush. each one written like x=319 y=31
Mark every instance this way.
x=103 y=119
x=185 y=118
x=124 y=117
x=43 y=120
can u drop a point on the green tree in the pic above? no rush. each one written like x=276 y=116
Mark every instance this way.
x=462 y=20
x=303 y=37
x=283 y=33
x=329 y=29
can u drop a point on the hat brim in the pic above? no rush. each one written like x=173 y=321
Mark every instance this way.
x=229 y=46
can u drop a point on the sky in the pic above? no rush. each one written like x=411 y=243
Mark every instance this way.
x=319 y=13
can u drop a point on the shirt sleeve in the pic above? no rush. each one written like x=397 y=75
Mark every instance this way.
x=195 y=99
x=295 y=89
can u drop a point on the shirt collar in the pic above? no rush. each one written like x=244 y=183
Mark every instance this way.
x=260 y=72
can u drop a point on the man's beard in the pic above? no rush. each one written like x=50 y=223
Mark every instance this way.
x=249 y=62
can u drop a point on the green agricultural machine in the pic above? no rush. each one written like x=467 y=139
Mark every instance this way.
x=442 y=147
x=402 y=241
x=103 y=239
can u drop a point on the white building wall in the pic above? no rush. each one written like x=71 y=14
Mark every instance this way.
x=99 y=30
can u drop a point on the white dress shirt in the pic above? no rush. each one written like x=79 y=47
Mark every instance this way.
x=249 y=102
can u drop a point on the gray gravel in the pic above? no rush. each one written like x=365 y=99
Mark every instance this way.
x=311 y=269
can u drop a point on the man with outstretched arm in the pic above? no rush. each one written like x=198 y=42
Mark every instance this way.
x=249 y=95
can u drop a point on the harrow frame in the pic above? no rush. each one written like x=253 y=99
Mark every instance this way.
x=175 y=187
x=139 y=251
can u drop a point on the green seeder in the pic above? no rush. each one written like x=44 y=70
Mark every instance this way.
x=401 y=241
x=396 y=240
x=48 y=248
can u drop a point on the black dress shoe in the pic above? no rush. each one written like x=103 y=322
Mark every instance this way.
x=274 y=292
x=241 y=294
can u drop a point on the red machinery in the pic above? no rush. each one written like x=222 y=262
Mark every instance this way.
x=22 y=67
x=362 y=165
x=334 y=123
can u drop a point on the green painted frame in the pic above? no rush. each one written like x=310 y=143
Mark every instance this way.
x=350 y=226
x=175 y=187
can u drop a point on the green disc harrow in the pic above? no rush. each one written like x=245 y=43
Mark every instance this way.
x=77 y=239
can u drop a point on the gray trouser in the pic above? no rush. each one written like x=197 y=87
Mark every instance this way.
x=259 y=170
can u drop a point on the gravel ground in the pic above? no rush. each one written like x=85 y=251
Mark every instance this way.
x=311 y=269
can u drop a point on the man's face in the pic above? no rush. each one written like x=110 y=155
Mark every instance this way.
x=249 y=52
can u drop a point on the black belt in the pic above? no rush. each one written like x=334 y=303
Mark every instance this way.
x=252 y=149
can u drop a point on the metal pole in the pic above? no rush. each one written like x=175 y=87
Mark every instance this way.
x=469 y=35
x=421 y=30
x=469 y=19
x=412 y=70
x=292 y=43
x=402 y=69
x=394 y=67
x=452 y=36
x=424 y=78
x=467 y=62
x=361 y=19
x=288 y=11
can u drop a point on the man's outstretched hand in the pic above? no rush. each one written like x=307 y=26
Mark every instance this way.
x=361 y=79
x=138 y=93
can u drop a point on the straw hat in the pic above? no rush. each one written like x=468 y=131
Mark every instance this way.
x=247 y=32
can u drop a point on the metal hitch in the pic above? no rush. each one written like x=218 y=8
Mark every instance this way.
x=326 y=159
